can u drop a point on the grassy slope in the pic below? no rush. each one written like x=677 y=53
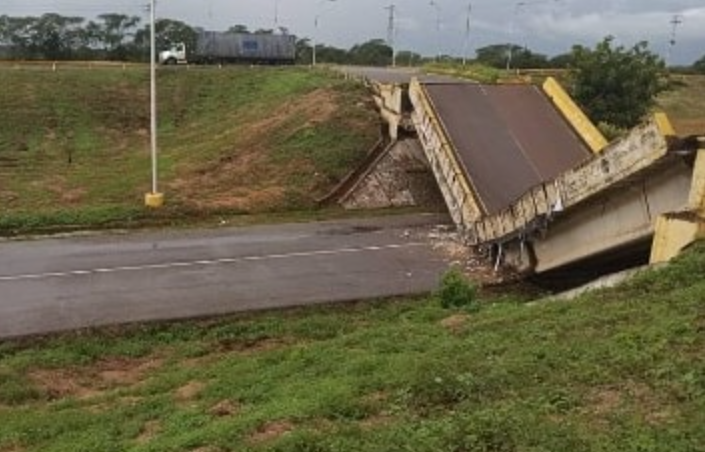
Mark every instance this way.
x=684 y=104
x=618 y=370
x=74 y=144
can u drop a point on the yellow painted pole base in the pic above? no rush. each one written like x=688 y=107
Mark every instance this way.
x=154 y=200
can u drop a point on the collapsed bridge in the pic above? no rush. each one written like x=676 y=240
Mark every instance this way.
x=524 y=173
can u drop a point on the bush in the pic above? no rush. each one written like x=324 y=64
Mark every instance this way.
x=457 y=291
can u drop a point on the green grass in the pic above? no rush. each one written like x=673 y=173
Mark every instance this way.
x=74 y=144
x=473 y=71
x=617 y=370
x=684 y=104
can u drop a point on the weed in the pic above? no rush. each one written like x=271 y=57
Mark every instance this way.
x=456 y=291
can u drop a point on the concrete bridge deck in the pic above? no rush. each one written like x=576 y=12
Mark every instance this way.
x=525 y=172
x=508 y=138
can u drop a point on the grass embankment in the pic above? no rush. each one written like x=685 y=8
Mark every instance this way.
x=684 y=104
x=74 y=144
x=617 y=370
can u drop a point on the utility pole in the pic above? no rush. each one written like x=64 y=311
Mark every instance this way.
x=675 y=22
x=153 y=199
x=437 y=8
x=391 y=32
x=276 y=15
x=466 y=42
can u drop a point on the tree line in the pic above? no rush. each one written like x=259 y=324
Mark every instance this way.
x=121 y=37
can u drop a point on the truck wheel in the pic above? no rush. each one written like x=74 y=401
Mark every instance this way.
x=171 y=62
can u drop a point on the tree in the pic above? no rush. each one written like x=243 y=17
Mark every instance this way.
x=699 y=66
x=616 y=85
x=238 y=29
x=55 y=37
x=562 y=61
x=167 y=32
x=375 y=52
x=304 y=51
x=330 y=54
x=114 y=31
x=496 y=55
x=408 y=58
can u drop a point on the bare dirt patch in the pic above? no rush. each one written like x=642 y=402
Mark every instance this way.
x=149 y=431
x=91 y=381
x=689 y=126
x=244 y=178
x=633 y=396
x=379 y=420
x=12 y=448
x=64 y=194
x=271 y=431
x=189 y=391
x=257 y=346
x=224 y=408
x=455 y=323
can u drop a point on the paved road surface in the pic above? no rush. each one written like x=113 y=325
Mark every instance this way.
x=61 y=284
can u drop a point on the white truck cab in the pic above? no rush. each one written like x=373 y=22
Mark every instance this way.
x=175 y=55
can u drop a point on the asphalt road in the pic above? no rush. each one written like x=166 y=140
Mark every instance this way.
x=76 y=282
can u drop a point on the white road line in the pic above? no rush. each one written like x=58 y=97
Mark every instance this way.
x=204 y=263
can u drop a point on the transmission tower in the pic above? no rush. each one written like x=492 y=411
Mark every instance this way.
x=391 y=32
x=675 y=22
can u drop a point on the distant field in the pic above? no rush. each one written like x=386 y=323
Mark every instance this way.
x=619 y=370
x=685 y=104
x=74 y=144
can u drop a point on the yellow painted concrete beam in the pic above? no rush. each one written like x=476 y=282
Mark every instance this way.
x=673 y=233
x=575 y=116
x=697 y=192
x=664 y=124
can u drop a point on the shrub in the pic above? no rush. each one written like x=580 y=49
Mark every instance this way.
x=457 y=291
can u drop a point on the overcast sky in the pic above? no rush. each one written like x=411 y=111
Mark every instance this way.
x=546 y=26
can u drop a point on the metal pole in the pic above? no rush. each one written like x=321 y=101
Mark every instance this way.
x=466 y=44
x=315 y=33
x=512 y=30
x=315 y=30
x=512 y=26
x=153 y=96
x=391 y=31
x=437 y=7
x=276 y=14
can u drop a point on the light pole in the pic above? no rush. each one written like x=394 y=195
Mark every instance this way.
x=466 y=42
x=315 y=30
x=153 y=199
x=276 y=15
x=512 y=25
x=437 y=7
